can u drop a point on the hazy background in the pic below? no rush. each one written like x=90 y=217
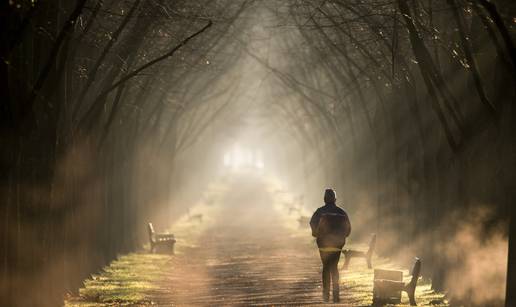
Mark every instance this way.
x=116 y=113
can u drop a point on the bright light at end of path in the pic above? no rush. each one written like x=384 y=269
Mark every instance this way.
x=242 y=158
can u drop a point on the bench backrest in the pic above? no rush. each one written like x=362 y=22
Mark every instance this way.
x=372 y=245
x=416 y=271
x=150 y=228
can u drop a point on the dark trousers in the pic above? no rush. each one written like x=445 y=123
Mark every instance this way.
x=330 y=272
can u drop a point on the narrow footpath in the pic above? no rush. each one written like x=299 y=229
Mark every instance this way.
x=248 y=248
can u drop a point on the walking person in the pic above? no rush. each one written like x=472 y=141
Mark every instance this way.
x=330 y=225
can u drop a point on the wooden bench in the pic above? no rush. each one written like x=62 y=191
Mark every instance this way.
x=160 y=239
x=388 y=285
x=349 y=253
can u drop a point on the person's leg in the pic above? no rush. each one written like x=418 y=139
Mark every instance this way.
x=326 y=275
x=334 y=271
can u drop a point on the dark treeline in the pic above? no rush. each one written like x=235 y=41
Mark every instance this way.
x=413 y=103
x=93 y=97
x=408 y=102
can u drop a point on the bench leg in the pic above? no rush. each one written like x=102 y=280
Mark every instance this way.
x=412 y=298
x=410 y=288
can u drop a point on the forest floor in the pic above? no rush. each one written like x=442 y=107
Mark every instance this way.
x=248 y=249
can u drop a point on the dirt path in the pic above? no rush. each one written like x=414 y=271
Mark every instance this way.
x=247 y=250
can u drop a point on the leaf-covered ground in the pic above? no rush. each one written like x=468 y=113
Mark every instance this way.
x=249 y=249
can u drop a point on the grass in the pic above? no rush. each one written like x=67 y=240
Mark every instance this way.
x=129 y=280
x=136 y=278
x=133 y=279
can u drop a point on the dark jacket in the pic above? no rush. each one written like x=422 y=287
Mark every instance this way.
x=335 y=226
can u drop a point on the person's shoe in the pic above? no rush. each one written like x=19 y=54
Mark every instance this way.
x=336 y=297
x=326 y=296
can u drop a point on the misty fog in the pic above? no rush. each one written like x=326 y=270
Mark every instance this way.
x=225 y=121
